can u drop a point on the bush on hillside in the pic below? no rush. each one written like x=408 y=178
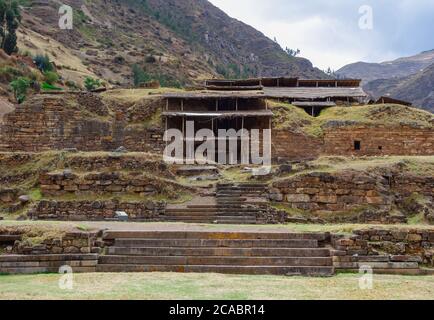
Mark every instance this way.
x=51 y=77
x=91 y=84
x=20 y=87
x=43 y=63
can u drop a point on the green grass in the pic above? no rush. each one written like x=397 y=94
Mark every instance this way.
x=290 y=227
x=288 y=116
x=214 y=286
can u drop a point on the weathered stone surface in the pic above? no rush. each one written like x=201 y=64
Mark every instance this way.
x=297 y=198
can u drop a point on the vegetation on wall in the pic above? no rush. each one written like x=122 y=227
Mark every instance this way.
x=20 y=87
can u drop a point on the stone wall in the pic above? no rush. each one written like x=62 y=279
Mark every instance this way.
x=56 y=122
x=85 y=122
x=98 y=210
x=117 y=162
x=403 y=245
x=294 y=145
x=22 y=240
x=383 y=140
x=67 y=182
x=360 y=196
x=340 y=140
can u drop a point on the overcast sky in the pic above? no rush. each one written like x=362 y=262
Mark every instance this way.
x=327 y=31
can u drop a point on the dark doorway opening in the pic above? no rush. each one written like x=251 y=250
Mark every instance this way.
x=357 y=145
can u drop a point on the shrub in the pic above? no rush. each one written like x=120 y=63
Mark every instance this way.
x=51 y=77
x=20 y=87
x=91 y=84
x=43 y=63
x=8 y=73
x=72 y=84
x=139 y=75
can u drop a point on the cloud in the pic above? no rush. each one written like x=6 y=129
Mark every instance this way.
x=328 y=33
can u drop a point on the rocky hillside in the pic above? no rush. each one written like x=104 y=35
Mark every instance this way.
x=175 y=41
x=398 y=68
x=417 y=88
x=410 y=78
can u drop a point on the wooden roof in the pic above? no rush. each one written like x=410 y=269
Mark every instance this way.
x=315 y=92
x=206 y=94
x=218 y=114
x=283 y=82
x=314 y=103
x=385 y=99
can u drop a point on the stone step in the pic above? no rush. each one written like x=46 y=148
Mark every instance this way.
x=242 y=187
x=377 y=265
x=237 y=193
x=239 y=217
x=222 y=206
x=215 y=260
x=259 y=270
x=9 y=238
x=210 y=211
x=212 y=214
x=28 y=264
x=47 y=257
x=136 y=234
x=403 y=272
x=235 y=222
x=201 y=251
x=34 y=270
x=214 y=221
x=292 y=243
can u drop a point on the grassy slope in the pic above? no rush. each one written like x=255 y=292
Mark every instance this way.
x=214 y=286
x=290 y=117
x=290 y=227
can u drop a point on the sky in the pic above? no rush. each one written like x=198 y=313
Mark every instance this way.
x=333 y=33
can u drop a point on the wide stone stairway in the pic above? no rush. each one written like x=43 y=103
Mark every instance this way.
x=232 y=204
x=220 y=252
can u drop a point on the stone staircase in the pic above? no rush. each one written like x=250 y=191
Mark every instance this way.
x=217 y=252
x=47 y=263
x=233 y=204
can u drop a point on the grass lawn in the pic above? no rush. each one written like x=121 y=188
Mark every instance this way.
x=213 y=286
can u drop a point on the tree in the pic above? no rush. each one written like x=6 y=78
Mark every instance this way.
x=10 y=18
x=139 y=75
x=20 y=87
x=91 y=84
x=330 y=72
x=292 y=53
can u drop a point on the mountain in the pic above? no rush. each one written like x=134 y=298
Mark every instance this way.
x=409 y=78
x=175 y=41
x=417 y=88
x=401 y=67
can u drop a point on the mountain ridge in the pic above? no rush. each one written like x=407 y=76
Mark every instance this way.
x=400 y=67
x=407 y=78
